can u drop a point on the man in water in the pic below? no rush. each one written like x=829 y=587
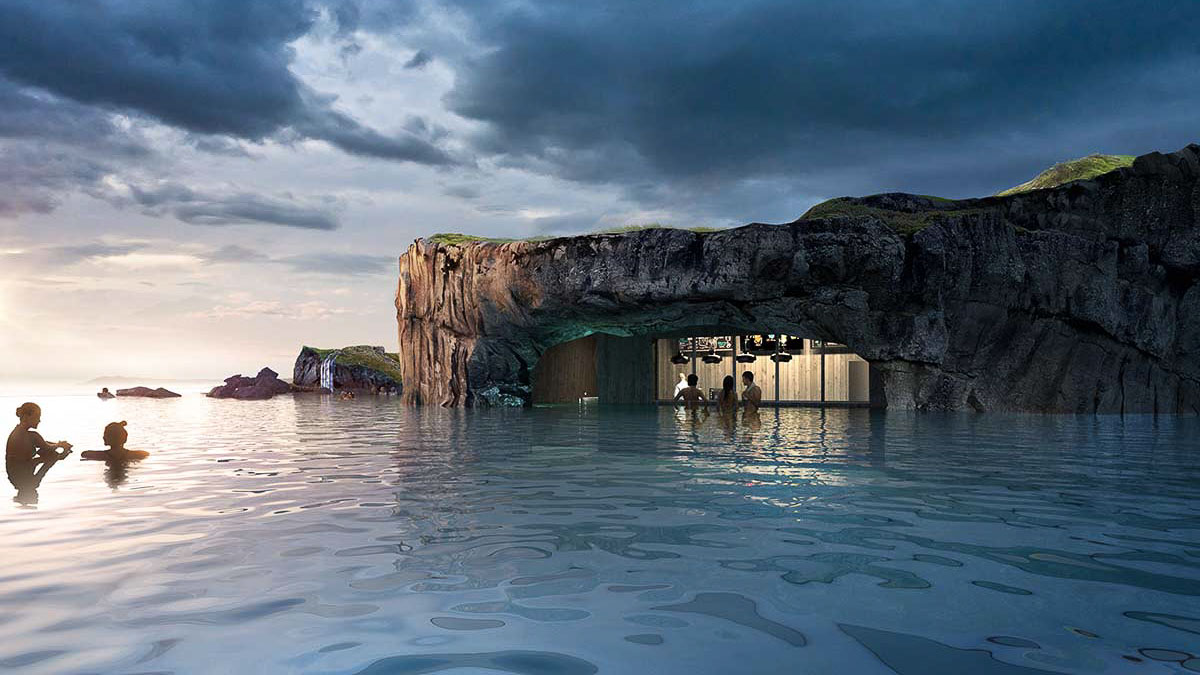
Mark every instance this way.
x=691 y=395
x=28 y=456
x=105 y=393
x=752 y=394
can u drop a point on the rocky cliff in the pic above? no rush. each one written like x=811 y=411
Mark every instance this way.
x=359 y=367
x=1080 y=298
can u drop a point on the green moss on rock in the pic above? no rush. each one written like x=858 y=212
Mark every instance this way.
x=1084 y=168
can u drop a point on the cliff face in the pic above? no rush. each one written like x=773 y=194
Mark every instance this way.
x=1080 y=298
x=361 y=367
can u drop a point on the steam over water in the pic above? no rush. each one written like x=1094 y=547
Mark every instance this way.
x=319 y=536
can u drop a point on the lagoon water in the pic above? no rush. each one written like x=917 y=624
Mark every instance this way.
x=319 y=536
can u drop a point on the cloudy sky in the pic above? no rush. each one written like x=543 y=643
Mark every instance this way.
x=190 y=188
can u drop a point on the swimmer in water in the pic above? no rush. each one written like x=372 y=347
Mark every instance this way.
x=115 y=437
x=28 y=456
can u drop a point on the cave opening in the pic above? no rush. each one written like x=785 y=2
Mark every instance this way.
x=791 y=370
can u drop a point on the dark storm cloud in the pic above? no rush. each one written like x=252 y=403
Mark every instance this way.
x=205 y=66
x=198 y=207
x=49 y=146
x=832 y=95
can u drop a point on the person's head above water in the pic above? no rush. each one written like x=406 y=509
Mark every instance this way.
x=115 y=435
x=29 y=414
x=692 y=380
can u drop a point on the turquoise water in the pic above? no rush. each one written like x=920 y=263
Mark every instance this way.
x=318 y=536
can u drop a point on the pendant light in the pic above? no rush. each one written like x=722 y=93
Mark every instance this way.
x=680 y=359
x=711 y=357
x=781 y=357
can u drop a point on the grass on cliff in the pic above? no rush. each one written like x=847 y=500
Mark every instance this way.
x=458 y=239
x=387 y=363
x=903 y=222
x=1083 y=168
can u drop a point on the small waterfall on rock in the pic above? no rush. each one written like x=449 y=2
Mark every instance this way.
x=327 y=370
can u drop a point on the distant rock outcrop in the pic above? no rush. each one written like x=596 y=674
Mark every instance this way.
x=1080 y=298
x=360 y=367
x=147 y=392
x=262 y=386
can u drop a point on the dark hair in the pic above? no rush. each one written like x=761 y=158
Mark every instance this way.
x=692 y=380
x=27 y=409
x=115 y=434
x=748 y=375
x=727 y=387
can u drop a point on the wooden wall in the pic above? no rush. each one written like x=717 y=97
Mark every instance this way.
x=566 y=371
x=624 y=369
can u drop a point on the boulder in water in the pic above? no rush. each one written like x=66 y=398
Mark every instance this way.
x=147 y=392
x=262 y=386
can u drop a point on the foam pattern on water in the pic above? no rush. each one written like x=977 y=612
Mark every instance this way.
x=320 y=536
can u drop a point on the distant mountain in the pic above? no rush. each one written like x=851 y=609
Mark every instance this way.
x=1076 y=169
x=115 y=380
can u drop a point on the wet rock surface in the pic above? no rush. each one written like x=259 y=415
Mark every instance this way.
x=147 y=392
x=262 y=386
x=1081 y=298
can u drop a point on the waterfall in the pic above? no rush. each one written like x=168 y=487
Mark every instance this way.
x=327 y=370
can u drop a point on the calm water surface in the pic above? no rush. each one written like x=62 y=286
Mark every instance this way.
x=318 y=536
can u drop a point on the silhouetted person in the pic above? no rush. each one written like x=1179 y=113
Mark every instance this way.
x=28 y=456
x=115 y=437
x=691 y=395
x=752 y=395
x=727 y=399
x=105 y=394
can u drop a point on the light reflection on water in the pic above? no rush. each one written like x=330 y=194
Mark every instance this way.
x=322 y=536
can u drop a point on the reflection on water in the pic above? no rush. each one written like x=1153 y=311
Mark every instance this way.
x=325 y=536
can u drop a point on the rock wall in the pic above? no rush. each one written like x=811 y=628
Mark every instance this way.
x=1082 y=298
x=360 y=367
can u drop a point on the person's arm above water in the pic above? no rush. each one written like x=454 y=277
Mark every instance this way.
x=42 y=446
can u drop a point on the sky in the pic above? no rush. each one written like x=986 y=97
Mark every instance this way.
x=194 y=188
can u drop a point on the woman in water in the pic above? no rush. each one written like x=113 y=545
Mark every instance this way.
x=727 y=399
x=28 y=456
x=115 y=437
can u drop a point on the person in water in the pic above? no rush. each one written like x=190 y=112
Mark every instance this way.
x=105 y=394
x=28 y=457
x=681 y=384
x=727 y=399
x=115 y=437
x=691 y=395
x=752 y=394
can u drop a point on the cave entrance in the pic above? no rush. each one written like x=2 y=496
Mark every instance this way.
x=790 y=370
